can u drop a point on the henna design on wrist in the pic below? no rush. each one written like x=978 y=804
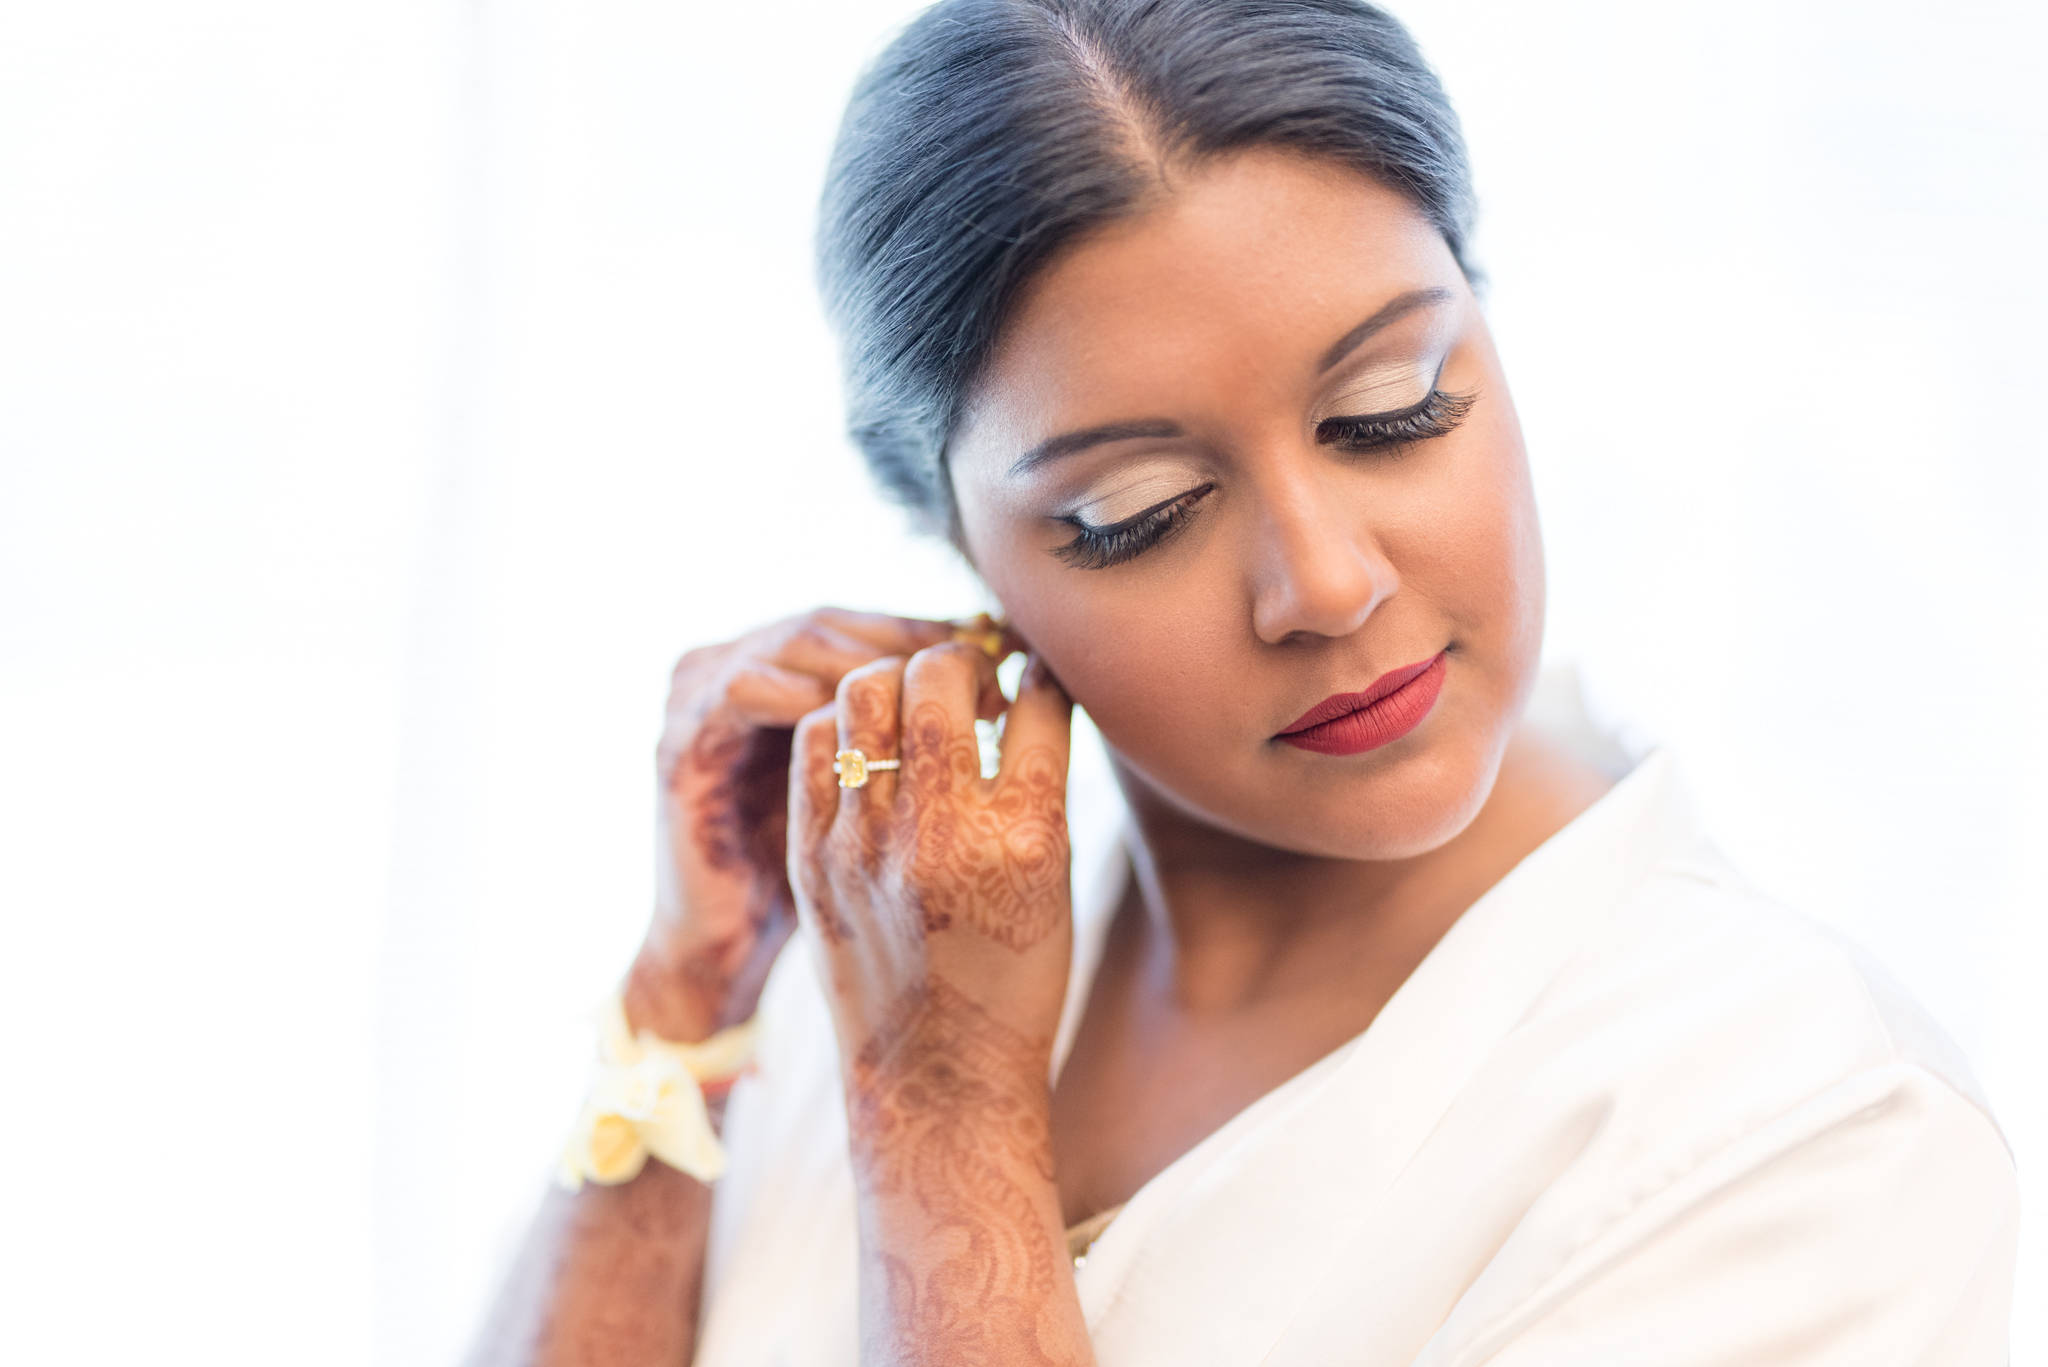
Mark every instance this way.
x=948 y=1112
x=998 y=865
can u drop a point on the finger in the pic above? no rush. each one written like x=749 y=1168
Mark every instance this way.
x=867 y=708
x=998 y=642
x=991 y=703
x=693 y=668
x=764 y=694
x=942 y=689
x=886 y=634
x=813 y=793
x=1038 y=730
x=808 y=645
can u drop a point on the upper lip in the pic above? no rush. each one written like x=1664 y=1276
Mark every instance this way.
x=1341 y=704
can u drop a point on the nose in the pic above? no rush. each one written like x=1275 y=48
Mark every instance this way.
x=1319 y=571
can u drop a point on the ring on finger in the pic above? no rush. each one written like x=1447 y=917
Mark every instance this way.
x=984 y=633
x=853 y=767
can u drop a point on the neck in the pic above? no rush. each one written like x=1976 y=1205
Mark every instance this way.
x=1231 y=921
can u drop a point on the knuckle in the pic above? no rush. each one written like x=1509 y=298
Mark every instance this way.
x=870 y=697
x=696 y=660
x=733 y=683
x=818 y=728
x=813 y=633
x=691 y=671
x=752 y=675
x=946 y=660
x=1038 y=769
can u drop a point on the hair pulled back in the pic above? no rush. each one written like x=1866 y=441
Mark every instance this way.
x=992 y=133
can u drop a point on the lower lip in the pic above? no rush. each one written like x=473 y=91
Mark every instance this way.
x=1379 y=723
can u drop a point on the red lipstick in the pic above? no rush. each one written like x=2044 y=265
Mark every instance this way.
x=1352 y=723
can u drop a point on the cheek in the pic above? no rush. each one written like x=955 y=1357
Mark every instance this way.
x=1470 y=545
x=1140 y=653
x=1495 y=566
x=1148 y=655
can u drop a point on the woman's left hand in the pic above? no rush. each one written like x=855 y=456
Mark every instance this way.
x=937 y=903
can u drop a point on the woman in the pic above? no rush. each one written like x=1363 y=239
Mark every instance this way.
x=1401 y=1033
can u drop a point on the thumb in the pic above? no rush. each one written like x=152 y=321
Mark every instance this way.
x=1038 y=730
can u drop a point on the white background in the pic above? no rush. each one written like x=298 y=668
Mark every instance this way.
x=388 y=391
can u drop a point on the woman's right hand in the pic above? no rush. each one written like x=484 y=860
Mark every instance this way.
x=722 y=900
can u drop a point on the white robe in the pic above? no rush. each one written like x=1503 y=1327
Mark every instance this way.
x=1628 y=1111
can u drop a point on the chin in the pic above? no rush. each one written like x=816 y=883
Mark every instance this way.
x=1408 y=808
x=1422 y=810
x=1400 y=807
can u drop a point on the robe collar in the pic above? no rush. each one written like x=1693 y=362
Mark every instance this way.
x=1252 y=1217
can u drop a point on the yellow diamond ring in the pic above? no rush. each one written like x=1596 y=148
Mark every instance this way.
x=853 y=767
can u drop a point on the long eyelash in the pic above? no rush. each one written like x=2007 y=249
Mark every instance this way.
x=1097 y=548
x=1433 y=417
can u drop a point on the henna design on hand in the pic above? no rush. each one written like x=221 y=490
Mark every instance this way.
x=832 y=923
x=740 y=815
x=870 y=703
x=727 y=820
x=948 y=1112
x=998 y=864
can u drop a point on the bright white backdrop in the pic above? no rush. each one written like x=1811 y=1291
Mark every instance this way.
x=389 y=391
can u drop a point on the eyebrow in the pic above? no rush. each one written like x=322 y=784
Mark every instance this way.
x=1067 y=443
x=1071 y=443
x=1395 y=310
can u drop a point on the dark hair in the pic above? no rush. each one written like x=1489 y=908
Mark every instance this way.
x=992 y=133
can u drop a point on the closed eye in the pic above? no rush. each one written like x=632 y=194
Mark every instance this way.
x=1098 y=548
x=1436 y=415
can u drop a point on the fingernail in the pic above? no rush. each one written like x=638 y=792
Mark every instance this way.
x=1039 y=674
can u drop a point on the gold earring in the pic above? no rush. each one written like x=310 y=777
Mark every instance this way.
x=988 y=634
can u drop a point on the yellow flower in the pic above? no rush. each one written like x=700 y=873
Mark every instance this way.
x=647 y=1098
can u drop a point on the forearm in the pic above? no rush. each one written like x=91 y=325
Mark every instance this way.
x=969 y=1279
x=963 y=1254
x=610 y=1276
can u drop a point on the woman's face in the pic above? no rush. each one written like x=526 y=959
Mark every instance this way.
x=1244 y=470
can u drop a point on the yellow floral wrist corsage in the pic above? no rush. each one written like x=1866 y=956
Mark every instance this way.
x=648 y=1098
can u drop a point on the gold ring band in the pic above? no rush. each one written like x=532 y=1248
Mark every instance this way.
x=853 y=767
x=985 y=634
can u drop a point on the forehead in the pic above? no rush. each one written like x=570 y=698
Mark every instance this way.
x=1237 y=279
